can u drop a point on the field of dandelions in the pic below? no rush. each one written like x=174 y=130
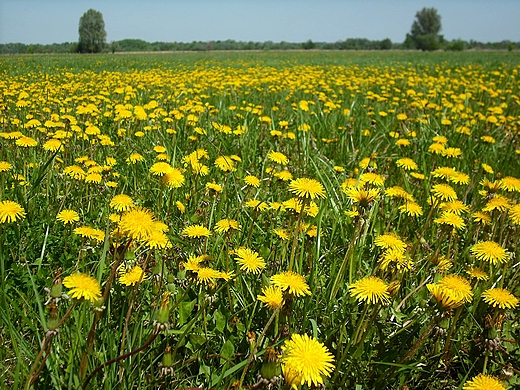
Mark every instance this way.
x=262 y=220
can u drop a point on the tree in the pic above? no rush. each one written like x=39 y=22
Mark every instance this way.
x=425 y=30
x=92 y=34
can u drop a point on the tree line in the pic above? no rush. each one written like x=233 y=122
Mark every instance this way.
x=424 y=35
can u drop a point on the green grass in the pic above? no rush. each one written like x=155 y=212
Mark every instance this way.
x=202 y=101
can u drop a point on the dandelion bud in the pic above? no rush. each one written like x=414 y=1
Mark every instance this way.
x=162 y=317
x=56 y=289
x=52 y=322
x=271 y=366
x=167 y=360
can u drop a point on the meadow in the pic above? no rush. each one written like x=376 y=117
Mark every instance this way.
x=260 y=220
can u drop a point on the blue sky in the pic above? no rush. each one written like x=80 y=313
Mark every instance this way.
x=56 y=21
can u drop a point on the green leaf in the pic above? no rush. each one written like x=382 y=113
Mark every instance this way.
x=220 y=321
x=185 y=308
x=228 y=351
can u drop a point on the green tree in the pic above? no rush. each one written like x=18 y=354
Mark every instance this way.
x=92 y=34
x=425 y=30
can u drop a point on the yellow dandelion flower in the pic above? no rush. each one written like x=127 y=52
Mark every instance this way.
x=131 y=276
x=436 y=148
x=451 y=291
x=134 y=158
x=225 y=225
x=307 y=188
x=514 y=214
x=137 y=223
x=122 y=202
x=452 y=152
x=487 y=168
x=452 y=219
x=26 y=142
x=510 y=184
x=370 y=289
x=363 y=197
x=252 y=181
x=91 y=233
x=499 y=203
x=160 y=168
x=75 y=172
x=5 y=166
x=407 y=164
x=480 y=217
x=295 y=283
x=196 y=231
x=477 y=273
x=490 y=251
x=249 y=260
x=272 y=297
x=257 y=204
x=444 y=192
x=11 y=211
x=284 y=175
x=455 y=206
x=390 y=241
x=372 y=178
x=309 y=358
x=500 y=297
x=207 y=276
x=225 y=164
x=282 y=233
x=173 y=178
x=411 y=208
x=67 y=216
x=214 y=186
x=83 y=286
x=484 y=382
x=52 y=145
x=278 y=157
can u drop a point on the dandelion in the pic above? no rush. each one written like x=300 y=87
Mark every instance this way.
x=91 y=233
x=484 y=382
x=282 y=233
x=75 y=172
x=372 y=178
x=308 y=358
x=307 y=188
x=272 y=297
x=407 y=164
x=456 y=207
x=134 y=158
x=363 y=197
x=252 y=181
x=411 y=208
x=444 y=192
x=278 y=157
x=249 y=260
x=370 y=289
x=480 y=217
x=215 y=187
x=489 y=251
x=207 y=276
x=138 y=223
x=295 y=283
x=196 y=231
x=173 y=178
x=398 y=192
x=121 y=202
x=160 y=168
x=499 y=203
x=390 y=241
x=52 y=145
x=257 y=204
x=500 y=297
x=510 y=184
x=451 y=291
x=284 y=175
x=514 y=214
x=83 y=286
x=452 y=219
x=225 y=225
x=11 y=211
x=5 y=166
x=132 y=276
x=67 y=216
x=26 y=142
x=225 y=164
x=477 y=273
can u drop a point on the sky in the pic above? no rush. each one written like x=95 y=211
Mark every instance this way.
x=56 y=21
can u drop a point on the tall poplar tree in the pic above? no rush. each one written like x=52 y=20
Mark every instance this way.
x=92 y=34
